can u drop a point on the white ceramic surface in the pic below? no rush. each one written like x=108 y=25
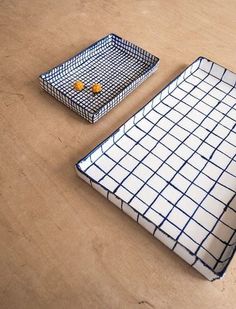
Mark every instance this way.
x=172 y=167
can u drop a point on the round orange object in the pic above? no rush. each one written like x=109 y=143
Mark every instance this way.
x=96 y=88
x=78 y=85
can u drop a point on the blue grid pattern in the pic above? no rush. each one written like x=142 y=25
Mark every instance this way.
x=117 y=64
x=172 y=167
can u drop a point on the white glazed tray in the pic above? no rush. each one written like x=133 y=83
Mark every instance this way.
x=172 y=167
x=120 y=66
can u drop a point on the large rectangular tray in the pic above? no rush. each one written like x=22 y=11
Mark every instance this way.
x=172 y=167
x=120 y=66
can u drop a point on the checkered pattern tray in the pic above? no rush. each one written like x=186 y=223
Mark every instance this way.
x=117 y=64
x=172 y=167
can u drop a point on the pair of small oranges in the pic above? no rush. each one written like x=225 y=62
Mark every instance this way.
x=79 y=86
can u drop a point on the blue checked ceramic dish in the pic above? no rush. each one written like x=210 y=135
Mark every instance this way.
x=172 y=167
x=118 y=65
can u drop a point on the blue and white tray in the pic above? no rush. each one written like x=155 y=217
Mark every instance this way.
x=172 y=167
x=120 y=66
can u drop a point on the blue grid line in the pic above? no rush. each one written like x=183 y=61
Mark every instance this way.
x=215 y=87
x=183 y=176
x=217 y=77
x=175 y=150
x=226 y=247
x=187 y=146
x=166 y=218
x=152 y=101
x=167 y=130
x=169 y=133
x=209 y=105
x=188 y=136
x=209 y=232
x=150 y=149
x=117 y=163
x=200 y=245
x=222 y=212
x=119 y=70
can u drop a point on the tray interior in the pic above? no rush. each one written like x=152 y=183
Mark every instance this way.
x=113 y=62
x=174 y=162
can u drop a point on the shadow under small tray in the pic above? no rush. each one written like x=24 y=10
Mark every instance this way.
x=118 y=65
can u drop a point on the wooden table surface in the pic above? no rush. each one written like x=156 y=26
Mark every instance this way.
x=62 y=245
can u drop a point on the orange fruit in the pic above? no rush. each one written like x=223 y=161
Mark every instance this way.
x=78 y=85
x=96 y=88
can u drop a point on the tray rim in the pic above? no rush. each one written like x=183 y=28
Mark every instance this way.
x=141 y=78
x=79 y=170
x=153 y=97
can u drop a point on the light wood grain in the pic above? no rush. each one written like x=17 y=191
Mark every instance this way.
x=62 y=245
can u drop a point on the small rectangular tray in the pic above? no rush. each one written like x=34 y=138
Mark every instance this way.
x=172 y=167
x=120 y=66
